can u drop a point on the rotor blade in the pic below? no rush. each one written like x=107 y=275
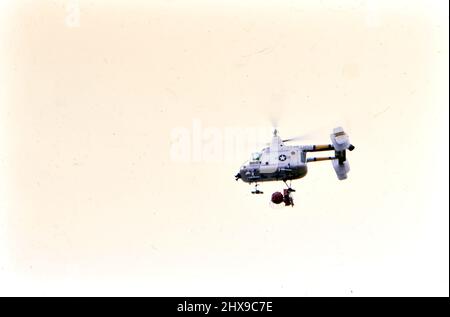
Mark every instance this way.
x=299 y=138
x=315 y=134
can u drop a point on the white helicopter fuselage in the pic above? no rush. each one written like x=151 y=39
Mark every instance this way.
x=276 y=162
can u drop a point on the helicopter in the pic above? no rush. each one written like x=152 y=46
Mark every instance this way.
x=281 y=162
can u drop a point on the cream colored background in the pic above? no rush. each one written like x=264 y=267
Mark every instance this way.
x=91 y=204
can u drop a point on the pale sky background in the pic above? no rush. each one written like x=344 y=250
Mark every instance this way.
x=92 y=204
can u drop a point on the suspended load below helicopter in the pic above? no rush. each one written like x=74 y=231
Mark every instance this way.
x=281 y=162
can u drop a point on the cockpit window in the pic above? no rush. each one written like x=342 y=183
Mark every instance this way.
x=256 y=156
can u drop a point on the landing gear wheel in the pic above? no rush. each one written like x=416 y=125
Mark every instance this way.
x=256 y=190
